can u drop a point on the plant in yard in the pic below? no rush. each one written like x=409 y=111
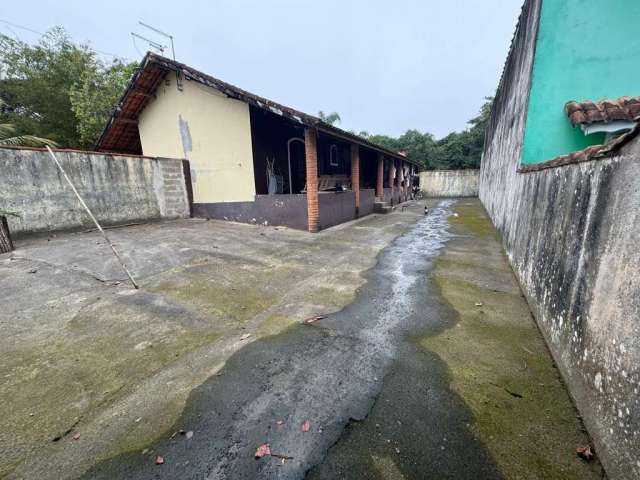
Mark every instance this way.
x=8 y=137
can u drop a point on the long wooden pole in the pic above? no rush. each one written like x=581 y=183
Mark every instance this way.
x=113 y=249
x=6 y=245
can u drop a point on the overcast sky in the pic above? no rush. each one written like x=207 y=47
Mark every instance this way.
x=384 y=66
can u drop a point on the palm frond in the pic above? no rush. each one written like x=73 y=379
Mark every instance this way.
x=27 y=141
x=6 y=130
x=6 y=213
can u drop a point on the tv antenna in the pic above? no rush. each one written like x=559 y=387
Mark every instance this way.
x=160 y=47
x=160 y=32
x=151 y=43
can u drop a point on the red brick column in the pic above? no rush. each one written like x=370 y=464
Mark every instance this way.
x=355 y=174
x=392 y=174
x=311 y=158
x=380 y=178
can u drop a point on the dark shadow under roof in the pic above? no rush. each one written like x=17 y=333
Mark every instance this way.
x=121 y=135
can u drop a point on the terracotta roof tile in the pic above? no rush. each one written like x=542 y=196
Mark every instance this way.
x=584 y=113
x=121 y=133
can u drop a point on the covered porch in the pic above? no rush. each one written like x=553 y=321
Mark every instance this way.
x=314 y=178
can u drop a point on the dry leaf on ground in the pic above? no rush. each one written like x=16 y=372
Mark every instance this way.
x=263 y=450
x=314 y=319
x=585 y=453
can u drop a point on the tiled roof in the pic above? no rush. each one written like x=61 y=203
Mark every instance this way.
x=121 y=134
x=584 y=113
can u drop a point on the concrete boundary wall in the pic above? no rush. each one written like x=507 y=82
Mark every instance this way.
x=571 y=235
x=449 y=183
x=117 y=188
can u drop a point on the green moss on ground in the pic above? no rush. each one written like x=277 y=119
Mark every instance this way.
x=471 y=220
x=225 y=290
x=275 y=324
x=499 y=363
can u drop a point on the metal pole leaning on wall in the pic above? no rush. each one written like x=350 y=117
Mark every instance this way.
x=113 y=249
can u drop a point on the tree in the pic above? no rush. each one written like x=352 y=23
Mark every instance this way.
x=94 y=96
x=36 y=82
x=455 y=151
x=331 y=118
x=8 y=137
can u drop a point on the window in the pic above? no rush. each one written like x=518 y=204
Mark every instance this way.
x=333 y=155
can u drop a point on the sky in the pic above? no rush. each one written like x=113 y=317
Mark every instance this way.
x=384 y=66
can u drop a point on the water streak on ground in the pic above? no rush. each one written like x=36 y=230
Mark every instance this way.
x=328 y=373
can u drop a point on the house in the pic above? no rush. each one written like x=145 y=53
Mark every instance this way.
x=251 y=159
x=560 y=178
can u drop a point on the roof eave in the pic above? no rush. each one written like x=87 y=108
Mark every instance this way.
x=123 y=97
x=246 y=97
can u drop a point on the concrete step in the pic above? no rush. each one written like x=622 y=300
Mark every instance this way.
x=382 y=207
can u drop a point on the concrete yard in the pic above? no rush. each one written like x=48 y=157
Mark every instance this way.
x=427 y=364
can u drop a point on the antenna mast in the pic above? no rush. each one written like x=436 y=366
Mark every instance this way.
x=157 y=45
x=160 y=32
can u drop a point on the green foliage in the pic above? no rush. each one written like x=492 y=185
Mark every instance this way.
x=37 y=81
x=95 y=94
x=458 y=150
x=6 y=213
x=330 y=118
x=8 y=135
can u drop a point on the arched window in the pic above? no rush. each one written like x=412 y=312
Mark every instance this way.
x=333 y=155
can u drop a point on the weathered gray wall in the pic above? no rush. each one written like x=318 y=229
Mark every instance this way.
x=449 y=183
x=571 y=234
x=118 y=189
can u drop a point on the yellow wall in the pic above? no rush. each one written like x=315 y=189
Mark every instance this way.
x=219 y=127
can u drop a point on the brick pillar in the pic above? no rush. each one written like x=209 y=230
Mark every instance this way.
x=355 y=174
x=380 y=178
x=311 y=158
x=392 y=174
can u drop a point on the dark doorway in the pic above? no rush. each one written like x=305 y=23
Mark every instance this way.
x=297 y=166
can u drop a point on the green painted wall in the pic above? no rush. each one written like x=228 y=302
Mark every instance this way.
x=586 y=50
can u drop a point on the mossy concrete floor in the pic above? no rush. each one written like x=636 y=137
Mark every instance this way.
x=498 y=361
x=472 y=387
x=433 y=356
x=92 y=368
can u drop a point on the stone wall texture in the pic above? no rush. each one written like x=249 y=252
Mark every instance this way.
x=449 y=183
x=118 y=189
x=571 y=235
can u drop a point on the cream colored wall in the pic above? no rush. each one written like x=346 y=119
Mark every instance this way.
x=210 y=130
